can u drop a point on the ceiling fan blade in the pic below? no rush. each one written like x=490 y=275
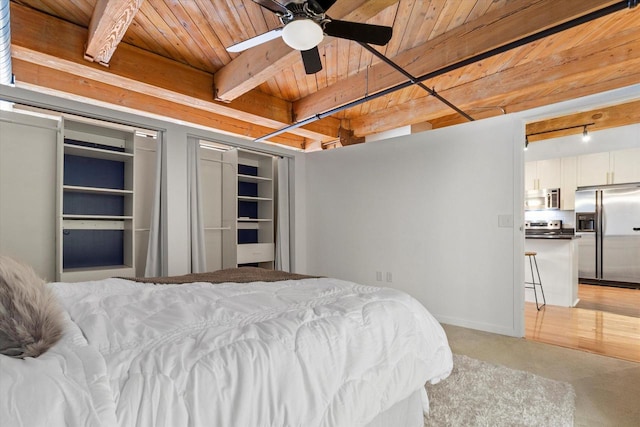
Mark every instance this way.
x=365 y=33
x=311 y=60
x=255 y=41
x=324 y=4
x=273 y=6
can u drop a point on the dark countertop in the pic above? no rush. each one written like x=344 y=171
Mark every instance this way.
x=560 y=234
x=554 y=237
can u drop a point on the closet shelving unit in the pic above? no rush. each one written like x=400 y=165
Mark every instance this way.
x=95 y=203
x=254 y=213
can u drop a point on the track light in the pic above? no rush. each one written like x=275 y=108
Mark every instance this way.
x=585 y=133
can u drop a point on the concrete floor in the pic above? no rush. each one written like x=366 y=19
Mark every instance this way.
x=607 y=389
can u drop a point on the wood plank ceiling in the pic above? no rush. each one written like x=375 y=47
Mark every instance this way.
x=168 y=58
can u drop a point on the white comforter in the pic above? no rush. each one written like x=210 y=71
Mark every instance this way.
x=313 y=352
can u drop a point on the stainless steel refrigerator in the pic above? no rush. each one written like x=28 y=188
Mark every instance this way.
x=608 y=221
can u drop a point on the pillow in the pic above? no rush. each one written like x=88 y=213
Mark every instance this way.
x=31 y=321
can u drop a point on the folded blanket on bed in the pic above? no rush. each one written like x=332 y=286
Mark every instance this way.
x=235 y=275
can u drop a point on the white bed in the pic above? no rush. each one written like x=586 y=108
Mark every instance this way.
x=304 y=352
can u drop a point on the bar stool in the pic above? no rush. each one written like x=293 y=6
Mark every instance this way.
x=533 y=283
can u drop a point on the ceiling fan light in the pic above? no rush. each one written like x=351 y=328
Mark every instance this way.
x=302 y=34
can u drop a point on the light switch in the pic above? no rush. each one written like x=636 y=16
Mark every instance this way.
x=505 y=221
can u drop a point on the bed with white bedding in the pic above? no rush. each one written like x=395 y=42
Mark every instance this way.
x=296 y=352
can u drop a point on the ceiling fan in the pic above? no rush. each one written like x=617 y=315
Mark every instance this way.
x=305 y=24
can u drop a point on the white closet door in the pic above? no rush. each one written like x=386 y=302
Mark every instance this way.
x=145 y=184
x=28 y=190
x=211 y=169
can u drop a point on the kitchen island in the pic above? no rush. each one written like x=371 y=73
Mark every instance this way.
x=557 y=258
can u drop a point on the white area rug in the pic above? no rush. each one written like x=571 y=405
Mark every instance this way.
x=481 y=394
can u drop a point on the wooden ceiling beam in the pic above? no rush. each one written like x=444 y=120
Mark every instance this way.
x=109 y=22
x=59 y=83
x=601 y=118
x=44 y=40
x=569 y=87
x=258 y=64
x=563 y=75
x=516 y=20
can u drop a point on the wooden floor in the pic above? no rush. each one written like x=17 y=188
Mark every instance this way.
x=613 y=300
x=607 y=322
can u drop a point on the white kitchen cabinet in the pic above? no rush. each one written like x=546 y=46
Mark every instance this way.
x=625 y=165
x=610 y=167
x=557 y=261
x=530 y=176
x=568 y=183
x=543 y=174
x=549 y=173
x=593 y=169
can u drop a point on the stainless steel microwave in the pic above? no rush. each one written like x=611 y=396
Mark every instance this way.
x=545 y=199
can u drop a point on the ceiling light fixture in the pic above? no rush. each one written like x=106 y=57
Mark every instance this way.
x=302 y=34
x=585 y=134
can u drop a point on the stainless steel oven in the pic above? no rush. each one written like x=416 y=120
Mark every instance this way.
x=542 y=228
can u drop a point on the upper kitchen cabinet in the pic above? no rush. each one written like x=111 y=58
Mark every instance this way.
x=625 y=166
x=543 y=174
x=568 y=183
x=593 y=169
x=615 y=167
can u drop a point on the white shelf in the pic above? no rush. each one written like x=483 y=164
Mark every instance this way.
x=97 y=153
x=96 y=273
x=96 y=190
x=87 y=224
x=253 y=178
x=252 y=224
x=98 y=268
x=255 y=252
x=98 y=217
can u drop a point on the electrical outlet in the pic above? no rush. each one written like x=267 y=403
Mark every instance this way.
x=379 y=276
x=389 y=277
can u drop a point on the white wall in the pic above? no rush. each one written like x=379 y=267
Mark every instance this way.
x=425 y=208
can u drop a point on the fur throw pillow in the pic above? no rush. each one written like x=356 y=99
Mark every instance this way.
x=31 y=320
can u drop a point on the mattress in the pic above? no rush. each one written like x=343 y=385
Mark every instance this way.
x=304 y=352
